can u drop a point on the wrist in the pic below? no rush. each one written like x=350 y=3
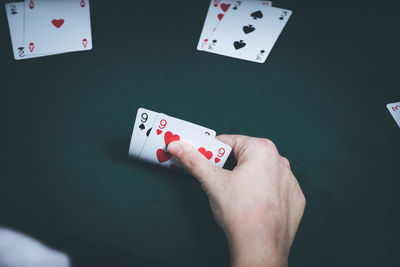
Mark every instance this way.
x=257 y=248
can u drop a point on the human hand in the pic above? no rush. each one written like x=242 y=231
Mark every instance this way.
x=259 y=204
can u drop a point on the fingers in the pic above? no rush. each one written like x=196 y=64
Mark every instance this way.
x=195 y=162
x=239 y=144
x=286 y=162
x=247 y=148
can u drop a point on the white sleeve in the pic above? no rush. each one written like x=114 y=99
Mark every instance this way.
x=19 y=250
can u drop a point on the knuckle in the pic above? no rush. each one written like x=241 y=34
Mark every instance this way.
x=267 y=144
x=302 y=198
x=286 y=161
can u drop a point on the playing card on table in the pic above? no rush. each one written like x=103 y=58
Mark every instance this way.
x=167 y=129
x=144 y=122
x=55 y=26
x=15 y=16
x=249 y=32
x=216 y=12
x=394 y=109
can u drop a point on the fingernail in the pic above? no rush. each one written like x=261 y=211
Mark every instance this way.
x=175 y=149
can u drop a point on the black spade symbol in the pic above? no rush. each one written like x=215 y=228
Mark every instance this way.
x=142 y=127
x=20 y=48
x=262 y=51
x=239 y=44
x=248 y=29
x=214 y=41
x=14 y=12
x=257 y=15
x=148 y=132
x=235 y=7
x=281 y=18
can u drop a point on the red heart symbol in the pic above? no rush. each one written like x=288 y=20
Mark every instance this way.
x=159 y=132
x=31 y=47
x=57 y=22
x=217 y=160
x=84 y=42
x=163 y=156
x=207 y=154
x=225 y=7
x=170 y=137
x=220 y=16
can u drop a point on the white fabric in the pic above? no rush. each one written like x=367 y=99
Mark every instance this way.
x=18 y=250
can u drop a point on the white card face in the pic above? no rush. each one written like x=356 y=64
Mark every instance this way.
x=167 y=129
x=250 y=32
x=15 y=16
x=394 y=109
x=216 y=13
x=144 y=122
x=55 y=26
x=200 y=129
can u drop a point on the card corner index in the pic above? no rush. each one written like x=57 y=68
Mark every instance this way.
x=145 y=123
x=6 y=5
x=390 y=105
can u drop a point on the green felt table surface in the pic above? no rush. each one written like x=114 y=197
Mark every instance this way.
x=66 y=122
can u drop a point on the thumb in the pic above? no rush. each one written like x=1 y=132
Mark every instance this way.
x=195 y=162
x=240 y=145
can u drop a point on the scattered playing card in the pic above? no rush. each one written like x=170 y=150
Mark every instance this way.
x=15 y=16
x=394 y=109
x=47 y=27
x=57 y=26
x=252 y=34
x=248 y=31
x=153 y=131
x=216 y=12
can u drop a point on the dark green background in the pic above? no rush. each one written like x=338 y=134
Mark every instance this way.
x=66 y=122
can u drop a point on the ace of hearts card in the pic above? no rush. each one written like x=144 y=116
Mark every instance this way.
x=57 y=26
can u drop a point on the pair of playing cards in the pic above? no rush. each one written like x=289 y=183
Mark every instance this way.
x=153 y=132
x=394 y=109
x=243 y=29
x=48 y=27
